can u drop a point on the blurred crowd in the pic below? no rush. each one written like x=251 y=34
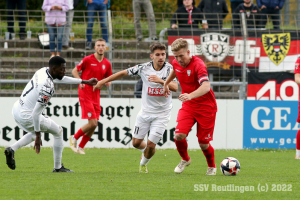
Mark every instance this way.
x=207 y=14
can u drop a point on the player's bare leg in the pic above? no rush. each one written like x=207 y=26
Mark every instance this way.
x=146 y=156
x=298 y=145
x=209 y=153
x=150 y=150
x=182 y=146
x=139 y=144
x=86 y=132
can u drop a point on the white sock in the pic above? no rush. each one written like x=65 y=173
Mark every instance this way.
x=25 y=140
x=142 y=150
x=144 y=160
x=58 y=147
x=298 y=152
x=78 y=147
x=74 y=138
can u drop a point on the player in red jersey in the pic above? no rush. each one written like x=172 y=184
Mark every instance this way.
x=199 y=104
x=297 y=80
x=95 y=65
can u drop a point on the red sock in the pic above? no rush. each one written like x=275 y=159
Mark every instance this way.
x=209 y=153
x=78 y=134
x=84 y=140
x=298 y=140
x=182 y=149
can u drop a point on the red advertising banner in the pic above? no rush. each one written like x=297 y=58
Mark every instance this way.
x=223 y=52
x=272 y=86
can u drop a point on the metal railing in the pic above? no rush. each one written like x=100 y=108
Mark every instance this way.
x=23 y=57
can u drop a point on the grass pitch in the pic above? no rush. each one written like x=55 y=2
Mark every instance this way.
x=113 y=174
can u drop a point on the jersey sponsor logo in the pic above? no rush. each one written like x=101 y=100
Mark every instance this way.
x=276 y=46
x=94 y=64
x=177 y=70
x=44 y=100
x=188 y=72
x=103 y=66
x=155 y=91
x=89 y=114
x=215 y=46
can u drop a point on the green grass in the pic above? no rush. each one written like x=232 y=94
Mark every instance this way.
x=113 y=174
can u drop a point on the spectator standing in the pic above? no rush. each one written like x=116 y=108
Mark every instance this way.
x=234 y=4
x=180 y=3
x=217 y=11
x=148 y=8
x=271 y=7
x=69 y=18
x=21 y=5
x=187 y=16
x=251 y=13
x=92 y=7
x=55 y=19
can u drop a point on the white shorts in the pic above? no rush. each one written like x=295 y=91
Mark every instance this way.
x=155 y=123
x=25 y=120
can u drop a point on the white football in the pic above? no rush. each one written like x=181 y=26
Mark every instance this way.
x=230 y=166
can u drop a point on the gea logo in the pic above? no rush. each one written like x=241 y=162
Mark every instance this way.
x=278 y=116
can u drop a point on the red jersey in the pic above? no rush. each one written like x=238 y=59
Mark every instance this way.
x=92 y=68
x=190 y=79
x=297 y=66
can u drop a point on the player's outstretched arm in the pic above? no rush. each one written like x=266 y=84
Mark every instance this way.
x=297 y=78
x=171 y=76
x=92 y=81
x=202 y=90
x=71 y=80
x=173 y=86
x=113 y=77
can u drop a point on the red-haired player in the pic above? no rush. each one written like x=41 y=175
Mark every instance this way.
x=199 y=105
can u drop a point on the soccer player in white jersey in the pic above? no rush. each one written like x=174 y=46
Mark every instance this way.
x=27 y=111
x=156 y=109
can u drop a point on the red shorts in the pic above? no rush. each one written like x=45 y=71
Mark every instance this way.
x=186 y=119
x=89 y=110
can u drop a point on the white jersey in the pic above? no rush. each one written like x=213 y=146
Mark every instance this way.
x=36 y=95
x=153 y=99
x=39 y=89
